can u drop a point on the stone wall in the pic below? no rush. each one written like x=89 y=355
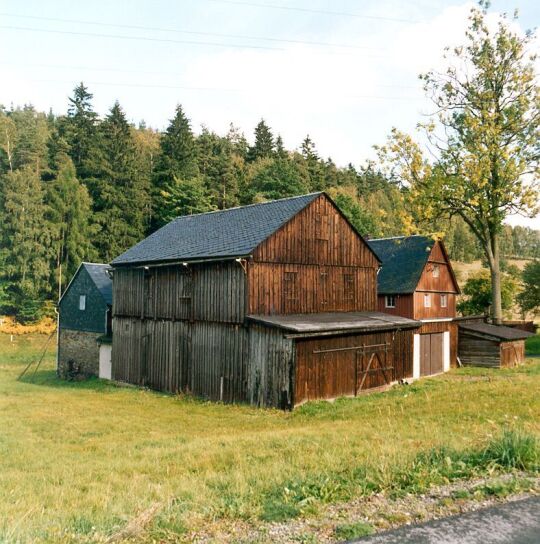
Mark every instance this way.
x=80 y=347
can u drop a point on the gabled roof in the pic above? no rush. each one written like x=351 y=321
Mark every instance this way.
x=497 y=332
x=228 y=233
x=98 y=274
x=403 y=260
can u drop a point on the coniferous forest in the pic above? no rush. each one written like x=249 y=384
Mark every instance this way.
x=77 y=187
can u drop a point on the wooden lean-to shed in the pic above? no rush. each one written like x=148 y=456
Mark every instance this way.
x=84 y=323
x=271 y=304
x=483 y=344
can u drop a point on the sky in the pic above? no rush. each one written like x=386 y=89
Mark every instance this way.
x=343 y=71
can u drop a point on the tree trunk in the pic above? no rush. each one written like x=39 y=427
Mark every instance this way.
x=494 y=268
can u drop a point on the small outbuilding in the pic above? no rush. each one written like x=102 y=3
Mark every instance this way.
x=84 y=323
x=482 y=344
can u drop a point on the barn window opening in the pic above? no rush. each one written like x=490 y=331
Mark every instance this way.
x=444 y=301
x=348 y=286
x=436 y=271
x=427 y=300
x=82 y=302
x=390 y=301
x=290 y=287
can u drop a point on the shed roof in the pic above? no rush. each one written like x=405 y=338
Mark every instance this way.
x=98 y=274
x=332 y=322
x=497 y=332
x=227 y=233
x=403 y=260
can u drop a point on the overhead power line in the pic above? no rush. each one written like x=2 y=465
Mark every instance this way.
x=141 y=38
x=190 y=32
x=319 y=11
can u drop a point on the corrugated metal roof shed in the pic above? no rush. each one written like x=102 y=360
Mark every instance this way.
x=228 y=233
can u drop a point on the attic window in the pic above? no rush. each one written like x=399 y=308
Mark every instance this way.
x=444 y=301
x=390 y=301
x=436 y=270
x=82 y=302
x=427 y=300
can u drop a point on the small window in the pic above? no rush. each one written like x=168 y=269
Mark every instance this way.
x=390 y=301
x=82 y=302
x=427 y=300
x=436 y=270
x=444 y=301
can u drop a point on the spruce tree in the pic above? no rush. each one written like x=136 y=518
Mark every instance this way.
x=177 y=162
x=120 y=191
x=314 y=166
x=79 y=130
x=69 y=217
x=264 y=146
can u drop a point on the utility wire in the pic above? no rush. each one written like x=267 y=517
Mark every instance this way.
x=142 y=38
x=152 y=72
x=319 y=11
x=191 y=32
x=216 y=89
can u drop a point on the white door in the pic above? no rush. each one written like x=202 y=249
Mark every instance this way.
x=105 y=361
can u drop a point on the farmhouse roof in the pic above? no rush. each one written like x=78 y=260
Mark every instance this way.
x=98 y=274
x=497 y=332
x=403 y=259
x=329 y=323
x=228 y=233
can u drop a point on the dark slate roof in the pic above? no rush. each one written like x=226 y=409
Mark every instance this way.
x=98 y=273
x=228 y=233
x=403 y=259
x=497 y=332
x=332 y=322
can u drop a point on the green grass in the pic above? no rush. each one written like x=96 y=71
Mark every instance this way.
x=349 y=531
x=81 y=461
x=532 y=345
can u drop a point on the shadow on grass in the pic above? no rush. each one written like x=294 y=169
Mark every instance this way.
x=48 y=378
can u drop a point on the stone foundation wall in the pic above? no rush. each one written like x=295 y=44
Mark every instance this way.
x=80 y=347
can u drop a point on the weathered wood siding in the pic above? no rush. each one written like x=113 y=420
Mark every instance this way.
x=212 y=292
x=271 y=367
x=436 y=309
x=404 y=305
x=319 y=234
x=294 y=289
x=478 y=351
x=348 y=365
x=512 y=353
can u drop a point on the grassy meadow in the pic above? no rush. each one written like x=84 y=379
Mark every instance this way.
x=93 y=462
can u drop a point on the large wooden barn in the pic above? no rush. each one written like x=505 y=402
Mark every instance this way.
x=417 y=281
x=271 y=304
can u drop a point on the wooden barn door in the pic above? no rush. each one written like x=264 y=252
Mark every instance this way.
x=374 y=367
x=431 y=354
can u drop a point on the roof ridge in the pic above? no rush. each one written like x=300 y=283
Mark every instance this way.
x=397 y=237
x=249 y=205
x=95 y=264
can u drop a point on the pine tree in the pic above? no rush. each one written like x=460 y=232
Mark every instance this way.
x=32 y=134
x=264 y=146
x=270 y=179
x=281 y=152
x=314 y=166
